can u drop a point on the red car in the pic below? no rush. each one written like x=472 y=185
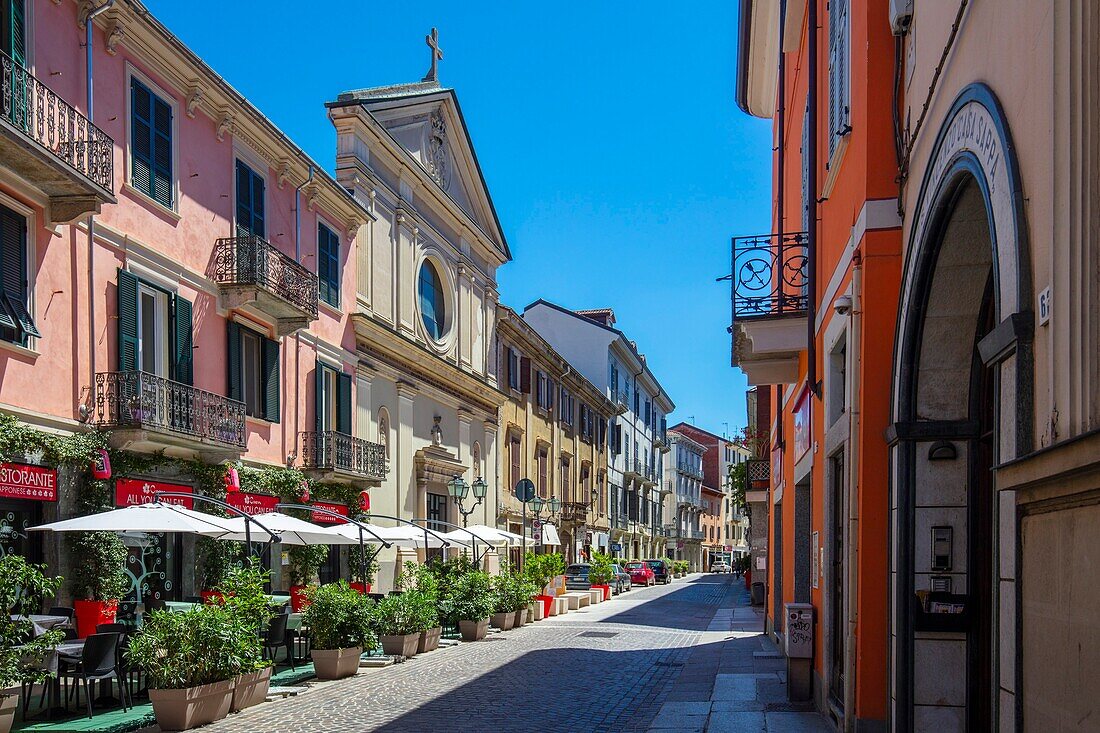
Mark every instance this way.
x=640 y=574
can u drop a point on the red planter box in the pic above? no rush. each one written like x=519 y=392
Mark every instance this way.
x=363 y=589
x=89 y=614
x=546 y=602
x=606 y=591
x=298 y=599
x=209 y=597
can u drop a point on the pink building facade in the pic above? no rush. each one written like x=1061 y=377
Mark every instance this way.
x=208 y=316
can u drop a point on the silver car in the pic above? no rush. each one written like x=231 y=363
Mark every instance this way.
x=621 y=581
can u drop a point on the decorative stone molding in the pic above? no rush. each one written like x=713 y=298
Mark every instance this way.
x=284 y=175
x=437 y=149
x=193 y=101
x=224 y=126
x=114 y=36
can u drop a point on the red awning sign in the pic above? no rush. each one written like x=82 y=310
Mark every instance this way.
x=322 y=518
x=20 y=481
x=252 y=504
x=129 y=491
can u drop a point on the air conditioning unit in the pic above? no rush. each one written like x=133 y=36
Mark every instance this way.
x=901 y=14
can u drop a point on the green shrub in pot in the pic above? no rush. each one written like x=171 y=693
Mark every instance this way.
x=23 y=589
x=340 y=622
x=469 y=603
x=398 y=621
x=601 y=572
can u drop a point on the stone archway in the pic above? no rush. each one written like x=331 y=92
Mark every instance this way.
x=962 y=403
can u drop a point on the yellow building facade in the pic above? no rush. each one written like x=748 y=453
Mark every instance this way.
x=554 y=426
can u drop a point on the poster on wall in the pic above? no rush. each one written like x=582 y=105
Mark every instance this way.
x=322 y=518
x=802 y=425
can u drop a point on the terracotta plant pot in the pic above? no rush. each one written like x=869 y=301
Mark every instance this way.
x=250 y=689
x=503 y=621
x=298 y=598
x=8 y=704
x=606 y=591
x=473 y=630
x=90 y=614
x=546 y=602
x=520 y=618
x=332 y=664
x=363 y=588
x=192 y=706
x=429 y=640
x=401 y=645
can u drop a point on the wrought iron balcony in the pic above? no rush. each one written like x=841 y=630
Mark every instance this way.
x=144 y=410
x=574 y=511
x=45 y=141
x=770 y=275
x=334 y=456
x=758 y=470
x=251 y=271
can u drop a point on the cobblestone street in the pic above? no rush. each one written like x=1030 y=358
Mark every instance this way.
x=683 y=657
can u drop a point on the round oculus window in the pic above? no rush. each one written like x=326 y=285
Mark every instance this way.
x=433 y=307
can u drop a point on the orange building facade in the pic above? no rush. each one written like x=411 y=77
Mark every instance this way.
x=815 y=305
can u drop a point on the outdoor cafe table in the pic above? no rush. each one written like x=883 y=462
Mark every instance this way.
x=42 y=623
x=70 y=651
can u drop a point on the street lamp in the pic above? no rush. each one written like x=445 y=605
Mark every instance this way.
x=553 y=506
x=459 y=490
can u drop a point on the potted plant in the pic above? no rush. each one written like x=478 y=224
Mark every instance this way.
x=217 y=558
x=540 y=570
x=98 y=579
x=358 y=559
x=601 y=573
x=242 y=594
x=305 y=561
x=469 y=603
x=523 y=591
x=191 y=660
x=339 y=620
x=503 y=616
x=23 y=587
x=400 y=619
x=423 y=579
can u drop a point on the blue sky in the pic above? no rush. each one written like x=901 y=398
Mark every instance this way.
x=618 y=161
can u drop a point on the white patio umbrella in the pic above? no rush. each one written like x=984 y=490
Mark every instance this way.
x=153 y=517
x=407 y=536
x=291 y=530
x=491 y=535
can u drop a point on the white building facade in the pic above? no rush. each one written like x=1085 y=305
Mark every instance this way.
x=637 y=441
x=683 y=512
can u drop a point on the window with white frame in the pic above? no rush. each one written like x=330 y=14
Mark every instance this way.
x=839 y=72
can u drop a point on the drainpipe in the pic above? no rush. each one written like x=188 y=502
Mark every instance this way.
x=811 y=235
x=852 y=560
x=298 y=216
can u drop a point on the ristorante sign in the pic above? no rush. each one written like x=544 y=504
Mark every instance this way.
x=129 y=491
x=322 y=518
x=20 y=481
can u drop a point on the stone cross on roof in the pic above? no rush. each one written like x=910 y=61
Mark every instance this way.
x=437 y=54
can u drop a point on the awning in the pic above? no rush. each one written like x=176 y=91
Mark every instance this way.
x=550 y=535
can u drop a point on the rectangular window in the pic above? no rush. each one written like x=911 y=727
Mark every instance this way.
x=250 y=202
x=566 y=476
x=152 y=316
x=333 y=400
x=328 y=265
x=544 y=478
x=154 y=330
x=516 y=466
x=13 y=27
x=150 y=144
x=648 y=416
x=602 y=480
x=254 y=375
x=839 y=73
x=16 y=323
x=586 y=485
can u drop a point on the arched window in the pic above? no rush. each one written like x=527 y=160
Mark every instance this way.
x=433 y=308
x=384 y=431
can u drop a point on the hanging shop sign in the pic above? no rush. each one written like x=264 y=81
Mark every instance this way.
x=22 y=481
x=322 y=518
x=802 y=425
x=130 y=491
x=252 y=504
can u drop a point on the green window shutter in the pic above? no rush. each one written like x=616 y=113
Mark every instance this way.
x=233 y=360
x=319 y=395
x=182 y=340
x=141 y=138
x=161 y=117
x=328 y=265
x=127 y=322
x=272 y=381
x=343 y=403
x=18 y=40
x=250 y=202
x=13 y=245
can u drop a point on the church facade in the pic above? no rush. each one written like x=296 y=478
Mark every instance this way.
x=426 y=297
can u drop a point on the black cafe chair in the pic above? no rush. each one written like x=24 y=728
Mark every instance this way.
x=98 y=661
x=65 y=611
x=275 y=636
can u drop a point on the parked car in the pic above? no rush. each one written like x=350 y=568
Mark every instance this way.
x=660 y=571
x=640 y=573
x=621 y=583
x=576 y=577
x=720 y=566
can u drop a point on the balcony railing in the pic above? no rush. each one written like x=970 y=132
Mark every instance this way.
x=253 y=261
x=574 y=511
x=54 y=125
x=343 y=455
x=770 y=275
x=758 y=469
x=139 y=400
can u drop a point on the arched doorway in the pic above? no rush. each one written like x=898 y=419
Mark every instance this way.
x=962 y=405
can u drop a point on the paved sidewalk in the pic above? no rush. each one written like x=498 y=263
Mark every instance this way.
x=734 y=680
